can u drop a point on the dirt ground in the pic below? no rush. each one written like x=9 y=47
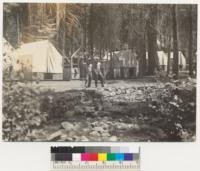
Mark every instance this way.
x=79 y=85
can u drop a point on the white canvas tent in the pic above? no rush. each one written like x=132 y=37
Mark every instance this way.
x=125 y=63
x=181 y=59
x=163 y=59
x=40 y=57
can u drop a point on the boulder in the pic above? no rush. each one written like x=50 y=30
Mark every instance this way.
x=124 y=125
x=95 y=134
x=69 y=114
x=112 y=93
x=56 y=135
x=67 y=126
x=105 y=134
x=113 y=139
x=98 y=129
x=65 y=137
x=89 y=109
x=84 y=139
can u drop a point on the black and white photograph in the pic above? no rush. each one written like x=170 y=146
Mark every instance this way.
x=99 y=72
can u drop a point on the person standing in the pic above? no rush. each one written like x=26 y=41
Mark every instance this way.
x=89 y=75
x=99 y=74
x=75 y=73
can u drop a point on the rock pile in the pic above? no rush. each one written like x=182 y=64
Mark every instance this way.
x=126 y=94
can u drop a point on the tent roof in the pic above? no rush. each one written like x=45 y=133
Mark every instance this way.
x=41 y=56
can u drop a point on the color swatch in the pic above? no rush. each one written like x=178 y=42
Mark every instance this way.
x=93 y=154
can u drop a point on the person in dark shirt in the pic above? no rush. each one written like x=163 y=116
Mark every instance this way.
x=89 y=75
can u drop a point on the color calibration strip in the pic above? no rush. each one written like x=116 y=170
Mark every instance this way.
x=93 y=154
x=95 y=158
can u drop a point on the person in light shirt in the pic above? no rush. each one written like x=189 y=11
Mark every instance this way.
x=98 y=74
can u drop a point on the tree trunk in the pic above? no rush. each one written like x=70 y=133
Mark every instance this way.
x=29 y=14
x=152 y=40
x=85 y=28
x=111 y=63
x=91 y=31
x=130 y=29
x=142 y=60
x=18 y=29
x=175 y=43
x=168 y=59
x=57 y=23
x=43 y=12
x=72 y=41
x=190 y=55
x=100 y=53
x=101 y=40
x=63 y=34
x=60 y=26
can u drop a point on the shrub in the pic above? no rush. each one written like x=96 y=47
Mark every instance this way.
x=56 y=104
x=21 y=112
x=176 y=104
